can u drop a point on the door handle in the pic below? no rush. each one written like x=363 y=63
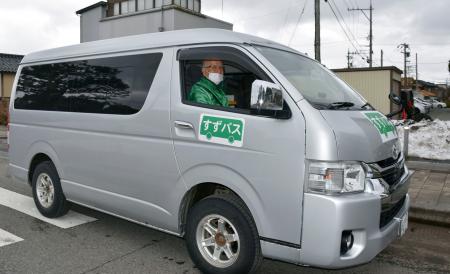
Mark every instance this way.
x=183 y=125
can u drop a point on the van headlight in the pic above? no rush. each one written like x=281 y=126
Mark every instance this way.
x=333 y=178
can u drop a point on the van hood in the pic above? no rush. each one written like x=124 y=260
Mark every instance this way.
x=366 y=136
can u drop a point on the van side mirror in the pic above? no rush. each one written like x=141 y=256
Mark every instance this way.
x=395 y=98
x=266 y=96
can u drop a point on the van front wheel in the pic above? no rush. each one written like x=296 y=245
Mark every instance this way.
x=47 y=192
x=222 y=237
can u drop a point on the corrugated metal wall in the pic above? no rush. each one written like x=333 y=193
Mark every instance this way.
x=372 y=85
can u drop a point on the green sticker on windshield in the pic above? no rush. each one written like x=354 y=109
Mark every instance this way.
x=221 y=130
x=382 y=124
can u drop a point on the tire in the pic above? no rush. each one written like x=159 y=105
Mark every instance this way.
x=439 y=106
x=47 y=192
x=237 y=220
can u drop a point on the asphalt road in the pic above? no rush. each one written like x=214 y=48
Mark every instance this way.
x=440 y=113
x=112 y=245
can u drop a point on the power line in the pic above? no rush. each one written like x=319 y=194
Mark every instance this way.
x=287 y=15
x=343 y=20
x=370 y=9
x=262 y=15
x=343 y=29
x=298 y=21
x=346 y=4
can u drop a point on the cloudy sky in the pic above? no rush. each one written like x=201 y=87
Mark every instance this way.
x=30 y=25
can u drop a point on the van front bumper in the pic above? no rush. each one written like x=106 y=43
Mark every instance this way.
x=326 y=217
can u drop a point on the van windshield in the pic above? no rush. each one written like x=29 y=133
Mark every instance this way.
x=318 y=85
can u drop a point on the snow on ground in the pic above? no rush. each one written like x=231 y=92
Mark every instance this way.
x=427 y=139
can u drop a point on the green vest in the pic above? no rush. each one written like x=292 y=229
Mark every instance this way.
x=206 y=92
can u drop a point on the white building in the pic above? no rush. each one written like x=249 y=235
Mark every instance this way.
x=116 y=18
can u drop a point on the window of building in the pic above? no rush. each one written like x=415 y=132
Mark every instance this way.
x=239 y=74
x=116 y=8
x=124 y=7
x=197 y=5
x=158 y=3
x=191 y=4
x=177 y=2
x=131 y=5
x=184 y=3
x=141 y=5
x=149 y=4
x=117 y=85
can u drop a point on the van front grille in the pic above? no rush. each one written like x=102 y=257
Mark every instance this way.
x=389 y=170
x=389 y=214
x=393 y=176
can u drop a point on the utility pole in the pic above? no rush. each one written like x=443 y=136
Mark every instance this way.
x=370 y=36
x=370 y=9
x=406 y=54
x=417 y=75
x=381 y=58
x=317 y=32
x=348 y=58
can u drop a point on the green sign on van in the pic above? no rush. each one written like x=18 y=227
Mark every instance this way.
x=382 y=124
x=221 y=130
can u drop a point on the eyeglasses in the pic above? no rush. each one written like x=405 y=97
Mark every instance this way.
x=214 y=67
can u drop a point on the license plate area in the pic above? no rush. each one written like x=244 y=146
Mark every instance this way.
x=403 y=224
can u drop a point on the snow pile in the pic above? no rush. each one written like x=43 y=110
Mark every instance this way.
x=427 y=139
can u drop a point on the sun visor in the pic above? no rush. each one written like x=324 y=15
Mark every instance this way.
x=211 y=53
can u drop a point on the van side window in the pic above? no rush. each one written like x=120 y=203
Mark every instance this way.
x=238 y=70
x=115 y=85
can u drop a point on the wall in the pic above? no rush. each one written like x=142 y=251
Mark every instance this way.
x=7 y=83
x=137 y=23
x=184 y=20
x=94 y=26
x=374 y=86
x=89 y=24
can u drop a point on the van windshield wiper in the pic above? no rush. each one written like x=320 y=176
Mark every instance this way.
x=338 y=105
x=367 y=105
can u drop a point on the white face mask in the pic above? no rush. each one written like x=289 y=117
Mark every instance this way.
x=216 y=78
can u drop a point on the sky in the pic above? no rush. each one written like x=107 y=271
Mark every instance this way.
x=32 y=25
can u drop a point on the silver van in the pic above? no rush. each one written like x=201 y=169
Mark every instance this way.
x=296 y=166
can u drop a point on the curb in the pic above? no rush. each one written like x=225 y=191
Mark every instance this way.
x=428 y=165
x=429 y=216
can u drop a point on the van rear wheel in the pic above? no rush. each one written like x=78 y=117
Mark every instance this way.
x=47 y=192
x=221 y=236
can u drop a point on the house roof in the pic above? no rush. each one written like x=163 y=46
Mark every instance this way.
x=427 y=93
x=427 y=84
x=93 y=6
x=151 y=41
x=9 y=62
x=368 y=69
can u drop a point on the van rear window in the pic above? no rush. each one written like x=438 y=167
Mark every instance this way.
x=115 y=85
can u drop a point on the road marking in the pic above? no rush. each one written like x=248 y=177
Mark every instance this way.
x=7 y=238
x=26 y=205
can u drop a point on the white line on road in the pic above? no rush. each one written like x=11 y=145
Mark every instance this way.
x=26 y=205
x=7 y=238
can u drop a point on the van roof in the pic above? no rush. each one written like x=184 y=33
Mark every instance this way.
x=148 y=41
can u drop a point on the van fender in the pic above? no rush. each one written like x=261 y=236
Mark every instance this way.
x=227 y=177
x=42 y=147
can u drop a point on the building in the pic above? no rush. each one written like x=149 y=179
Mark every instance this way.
x=374 y=84
x=8 y=68
x=116 y=18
